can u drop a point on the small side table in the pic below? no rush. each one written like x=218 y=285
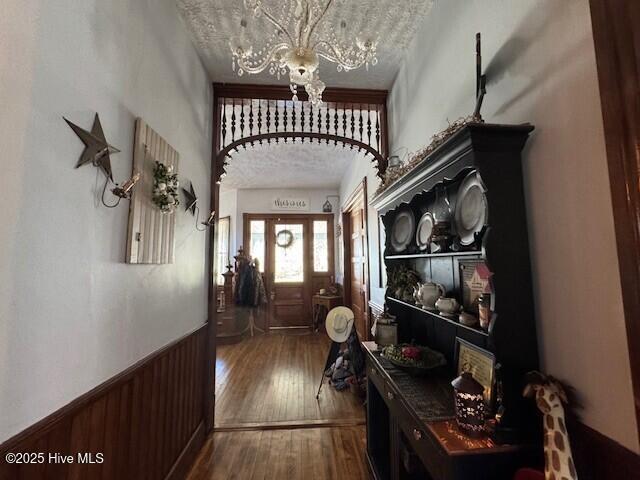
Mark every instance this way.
x=321 y=305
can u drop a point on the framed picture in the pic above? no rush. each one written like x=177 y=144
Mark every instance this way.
x=475 y=279
x=479 y=362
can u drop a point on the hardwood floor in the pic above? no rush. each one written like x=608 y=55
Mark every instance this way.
x=269 y=424
x=272 y=380
x=309 y=454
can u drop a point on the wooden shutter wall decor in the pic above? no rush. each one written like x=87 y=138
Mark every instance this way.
x=151 y=234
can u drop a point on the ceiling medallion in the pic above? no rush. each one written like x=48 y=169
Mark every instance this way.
x=301 y=35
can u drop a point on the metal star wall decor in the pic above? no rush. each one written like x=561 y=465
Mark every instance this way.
x=190 y=199
x=97 y=150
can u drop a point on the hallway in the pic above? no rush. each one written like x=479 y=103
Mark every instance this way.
x=268 y=421
x=272 y=380
x=453 y=185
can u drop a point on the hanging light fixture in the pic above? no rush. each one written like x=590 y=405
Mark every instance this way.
x=301 y=36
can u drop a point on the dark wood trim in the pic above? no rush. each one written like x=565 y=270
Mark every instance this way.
x=381 y=162
x=282 y=92
x=617 y=44
x=384 y=129
x=358 y=194
x=210 y=262
x=597 y=457
x=189 y=454
x=290 y=425
x=145 y=420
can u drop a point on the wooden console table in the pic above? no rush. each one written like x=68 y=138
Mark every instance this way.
x=321 y=306
x=411 y=431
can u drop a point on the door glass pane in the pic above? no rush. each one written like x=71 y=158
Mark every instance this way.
x=289 y=253
x=257 y=246
x=320 y=246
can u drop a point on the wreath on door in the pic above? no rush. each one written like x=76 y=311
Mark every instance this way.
x=284 y=238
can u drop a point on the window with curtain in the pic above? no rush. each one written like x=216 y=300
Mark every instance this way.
x=224 y=240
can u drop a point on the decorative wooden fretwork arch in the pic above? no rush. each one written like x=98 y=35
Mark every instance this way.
x=247 y=115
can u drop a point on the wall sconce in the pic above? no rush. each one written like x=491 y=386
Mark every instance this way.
x=211 y=220
x=469 y=403
x=327 y=207
x=125 y=190
x=190 y=204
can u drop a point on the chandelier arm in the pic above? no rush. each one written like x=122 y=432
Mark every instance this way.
x=317 y=20
x=277 y=24
x=333 y=55
x=265 y=63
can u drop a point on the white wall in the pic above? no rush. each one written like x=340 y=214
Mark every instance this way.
x=72 y=314
x=540 y=62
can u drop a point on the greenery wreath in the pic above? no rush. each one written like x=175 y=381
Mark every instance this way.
x=284 y=238
x=165 y=188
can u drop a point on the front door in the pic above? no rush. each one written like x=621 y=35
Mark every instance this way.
x=289 y=252
x=296 y=256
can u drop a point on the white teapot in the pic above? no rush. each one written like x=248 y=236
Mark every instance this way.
x=447 y=306
x=428 y=293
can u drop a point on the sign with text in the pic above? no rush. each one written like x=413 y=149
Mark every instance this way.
x=299 y=204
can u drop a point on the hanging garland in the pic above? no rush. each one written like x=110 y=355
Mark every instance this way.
x=284 y=238
x=165 y=188
x=393 y=175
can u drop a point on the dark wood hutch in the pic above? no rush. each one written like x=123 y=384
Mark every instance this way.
x=411 y=431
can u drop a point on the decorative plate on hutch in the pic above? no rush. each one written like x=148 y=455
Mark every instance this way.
x=471 y=208
x=424 y=231
x=402 y=230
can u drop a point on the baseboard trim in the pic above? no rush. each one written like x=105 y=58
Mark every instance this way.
x=188 y=456
x=289 y=425
x=598 y=457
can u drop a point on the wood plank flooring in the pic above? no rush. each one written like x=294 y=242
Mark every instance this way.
x=269 y=424
x=298 y=454
x=273 y=380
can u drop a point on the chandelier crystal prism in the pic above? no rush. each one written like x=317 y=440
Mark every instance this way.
x=301 y=36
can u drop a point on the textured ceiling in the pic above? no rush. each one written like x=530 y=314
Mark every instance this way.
x=213 y=22
x=289 y=166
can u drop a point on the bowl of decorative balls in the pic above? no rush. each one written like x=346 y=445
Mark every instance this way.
x=415 y=359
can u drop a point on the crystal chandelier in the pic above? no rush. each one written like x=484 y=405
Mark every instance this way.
x=299 y=39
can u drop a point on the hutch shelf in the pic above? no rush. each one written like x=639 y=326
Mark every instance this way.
x=411 y=431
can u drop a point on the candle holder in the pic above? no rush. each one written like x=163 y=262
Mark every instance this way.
x=470 y=406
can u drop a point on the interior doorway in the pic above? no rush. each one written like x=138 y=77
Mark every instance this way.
x=295 y=254
x=356 y=264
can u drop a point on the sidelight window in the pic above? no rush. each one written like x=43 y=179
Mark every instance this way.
x=257 y=246
x=320 y=246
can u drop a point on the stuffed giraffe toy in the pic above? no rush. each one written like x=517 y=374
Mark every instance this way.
x=550 y=398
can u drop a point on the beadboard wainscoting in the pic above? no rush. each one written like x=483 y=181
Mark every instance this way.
x=147 y=422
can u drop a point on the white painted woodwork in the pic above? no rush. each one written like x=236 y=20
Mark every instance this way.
x=150 y=236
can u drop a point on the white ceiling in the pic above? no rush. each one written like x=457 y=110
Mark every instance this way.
x=289 y=166
x=213 y=22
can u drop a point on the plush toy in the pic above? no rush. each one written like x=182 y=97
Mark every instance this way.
x=550 y=398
